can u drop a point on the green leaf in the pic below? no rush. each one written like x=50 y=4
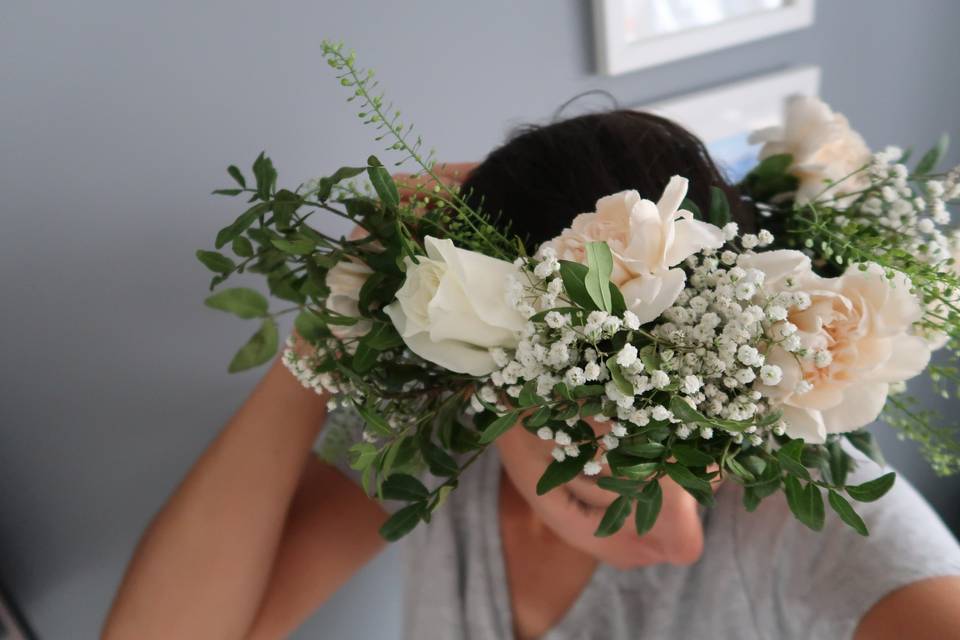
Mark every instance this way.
x=846 y=512
x=805 y=502
x=863 y=441
x=438 y=460
x=227 y=192
x=236 y=174
x=403 y=521
x=558 y=473
x=498 y=427
x=377 y=423
x=698 y=487
x=285 y=204
x=597 y=280
x=401 y=486
x=260 y=348
x=614 y=517
x=587 y=391
x=719 y=207
x=682 y=409
x=381 y=337
x=294 y=247
x=692 y=207
x=650 y=358
x=528 y=395
x=362 y=455
x=616 y=374
x=641 y=449
x=623 y=486
x=739 y=470
x=343 y=173
x=690 y=456
x=872 y=490
x=839 y=464
x=573 y=275
x=241 y=224
x=623 y=464
x=789 y=457
x=932 y=158
x=239 y=301
x=538 y=418
x=265 y=175
x=216 y=262
x=309 y=325
x=648 y=507
x=364 y=358
x=382 y=182
x=242 y=247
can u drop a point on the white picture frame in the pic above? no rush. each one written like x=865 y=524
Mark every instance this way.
x=724 y=117
x=618 y=52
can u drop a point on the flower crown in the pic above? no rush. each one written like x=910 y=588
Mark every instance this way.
x=649 y=338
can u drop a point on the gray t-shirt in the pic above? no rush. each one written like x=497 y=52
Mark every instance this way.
x=763 y=575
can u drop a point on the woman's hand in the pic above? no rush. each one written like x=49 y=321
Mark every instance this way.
x=417 y=187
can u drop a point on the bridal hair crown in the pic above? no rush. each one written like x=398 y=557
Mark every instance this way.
x=650 y=339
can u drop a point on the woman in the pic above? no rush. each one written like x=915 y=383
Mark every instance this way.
x=260 y=533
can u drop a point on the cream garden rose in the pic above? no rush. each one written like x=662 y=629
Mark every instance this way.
x=823 y=146
x=857 y=334
x=648 y=240
x=345 y=280
x=452 y=308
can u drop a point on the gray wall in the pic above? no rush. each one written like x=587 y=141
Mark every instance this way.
x=118 y=118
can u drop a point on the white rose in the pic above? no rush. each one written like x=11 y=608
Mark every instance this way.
x=863 y=322
x=647 y=240
x=823 y=146
x=345 y=280
x=452 y=308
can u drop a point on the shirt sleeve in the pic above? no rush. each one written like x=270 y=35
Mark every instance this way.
x=821 y=584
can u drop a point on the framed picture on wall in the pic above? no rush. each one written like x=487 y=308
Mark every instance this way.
x=724 y=117
x=635 y=34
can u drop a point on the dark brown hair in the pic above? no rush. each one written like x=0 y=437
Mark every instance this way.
x=544 y=175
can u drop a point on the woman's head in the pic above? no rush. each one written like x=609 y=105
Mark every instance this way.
x=543 y=176
x=538 y=182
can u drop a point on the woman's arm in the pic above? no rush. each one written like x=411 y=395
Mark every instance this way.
x=203 y=567
x=924 y=610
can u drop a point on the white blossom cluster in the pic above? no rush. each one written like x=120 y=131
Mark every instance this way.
x=917 y=215
x=706 y=349
x=304 y=369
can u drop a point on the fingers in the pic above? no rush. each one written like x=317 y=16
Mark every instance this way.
x=450 y=174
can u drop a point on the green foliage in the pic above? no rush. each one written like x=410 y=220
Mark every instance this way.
x=614 y=517
x=597 y=279
x=260 y=348
x=240 y=301
x=648 y=507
